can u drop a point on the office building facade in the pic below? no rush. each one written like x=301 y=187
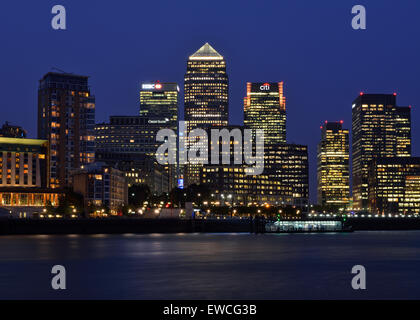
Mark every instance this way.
x=287 y=165
x=394 y=185
x=333 y=166
x=206 y=97
x=159 y=101
x=159 y=104
x=379 y=129
x=265 y=108
x=284 y=180
x=129 y=144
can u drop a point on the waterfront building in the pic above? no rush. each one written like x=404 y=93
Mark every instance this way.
x=394 y=185
x=333 y=166
x=129 y=144
x=265 y=108
x=101 y=186
x=23 y=162
x=10 y=131
x=24 y=183
x=66 y=118
x=206 y=97
x=380 y=128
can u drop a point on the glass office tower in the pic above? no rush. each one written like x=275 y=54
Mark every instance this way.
x=206 y=88
x=333 y=165
x=379 y=129
x=265 y=108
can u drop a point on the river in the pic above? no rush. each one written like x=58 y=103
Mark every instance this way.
x=212 y=266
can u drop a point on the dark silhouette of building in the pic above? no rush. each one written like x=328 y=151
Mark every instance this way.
x=66 y=118
x=129 y=144
x=10 y=131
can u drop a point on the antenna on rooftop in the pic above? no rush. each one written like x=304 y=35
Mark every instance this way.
x=62 y=71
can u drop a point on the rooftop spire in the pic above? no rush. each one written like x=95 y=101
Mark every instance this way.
x=206 y=52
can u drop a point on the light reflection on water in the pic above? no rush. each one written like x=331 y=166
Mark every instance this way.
x=212 y=266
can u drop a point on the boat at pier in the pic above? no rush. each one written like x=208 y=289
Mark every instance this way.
x=305 y=226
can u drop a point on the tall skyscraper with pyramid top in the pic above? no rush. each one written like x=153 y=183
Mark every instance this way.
x=206 y=96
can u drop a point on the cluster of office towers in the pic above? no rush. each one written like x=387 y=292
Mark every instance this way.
x=385 y=176
x=66 y=120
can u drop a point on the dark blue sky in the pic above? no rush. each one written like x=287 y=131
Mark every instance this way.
x=310 y=45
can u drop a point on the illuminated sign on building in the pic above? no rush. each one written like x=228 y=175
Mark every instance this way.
x=151 y=86
x=158 y=121
x=265 y=86
x=181 y=183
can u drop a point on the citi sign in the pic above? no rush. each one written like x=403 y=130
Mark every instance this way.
x=265 y=87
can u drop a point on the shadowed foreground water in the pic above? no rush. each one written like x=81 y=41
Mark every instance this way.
x=212 y=266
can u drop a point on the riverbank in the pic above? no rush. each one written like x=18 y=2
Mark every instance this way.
x=121 y=225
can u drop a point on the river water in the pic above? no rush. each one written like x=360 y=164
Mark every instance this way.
x=212 y=266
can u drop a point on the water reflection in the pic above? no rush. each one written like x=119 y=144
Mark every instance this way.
x=212 y=266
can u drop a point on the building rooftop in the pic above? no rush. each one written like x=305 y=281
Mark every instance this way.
x=22 y=141
x=206 y=52
x=71 y=75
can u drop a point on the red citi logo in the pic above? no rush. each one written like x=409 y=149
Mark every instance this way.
x=265 y=86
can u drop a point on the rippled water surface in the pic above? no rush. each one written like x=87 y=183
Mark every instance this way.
x=212 y=266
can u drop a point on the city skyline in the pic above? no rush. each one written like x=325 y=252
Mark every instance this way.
x=337 y=71
x=312 y=185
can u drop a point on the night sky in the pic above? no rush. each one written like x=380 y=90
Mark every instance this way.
x=310 y=45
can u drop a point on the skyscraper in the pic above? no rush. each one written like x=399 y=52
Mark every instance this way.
x=379 y=129
x=159 y=104
x=285 y=165
x=206 y=88
x=403 y=131
x=265 y=108
x=333 y=165
x=66 y=118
